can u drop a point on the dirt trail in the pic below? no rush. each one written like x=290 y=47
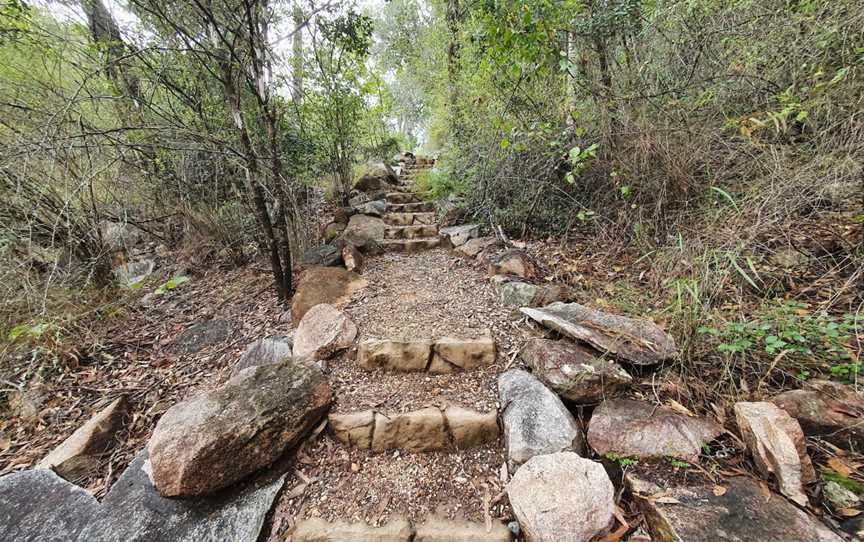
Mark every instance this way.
x=425 y=295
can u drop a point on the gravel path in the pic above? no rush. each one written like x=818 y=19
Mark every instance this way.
x=426 y=295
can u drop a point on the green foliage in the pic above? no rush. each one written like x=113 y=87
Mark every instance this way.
x=678 y=464
x=622 y=460
x=171 y=284
x=852 y=485
x=32 y=330
x=790 y=329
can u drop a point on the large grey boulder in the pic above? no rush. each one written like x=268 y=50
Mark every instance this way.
x=39 y=506
x=734 y=510
x=79 y=454
x=264 y=352
x=828 y=410
x=217 y=438
x=535 y=420
x=323 y=331
x=640 y=342
x=630 y=428
x=562 y=497
x=364 y=232
x=778 y=446
x=574 y=372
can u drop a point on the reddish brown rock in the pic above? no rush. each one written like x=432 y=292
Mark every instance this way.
x=323 y=332
x=574 y=372
x=829 y=410
x=330 y=285
x=512 y=262
x=353 y=258
x=219 y=437
x=640 y=342
x=473 y=247
x=631 y=428
x=735 y=510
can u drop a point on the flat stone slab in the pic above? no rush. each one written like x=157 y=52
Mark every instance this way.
x=411 y=245
x=427 y=429
x=399 y=530
x=440 y=356
x=402 y=197
x=410 y=232
x=631 y=428
x=741 y=513
x=640 y=342
x=39 y=506
x=264 y=352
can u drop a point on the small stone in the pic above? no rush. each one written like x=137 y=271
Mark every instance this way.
x=693 y=511
x=829 y=410
x=636 y=428
x=323 y=332
x=459 y=235
x=355 y=467
x=372 y=208
x=473 y=247
x=562 y=497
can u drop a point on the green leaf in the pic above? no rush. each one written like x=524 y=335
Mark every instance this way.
x=727 y=196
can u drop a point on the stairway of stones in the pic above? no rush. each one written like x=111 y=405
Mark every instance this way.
x=411 y=222
x=412 y=427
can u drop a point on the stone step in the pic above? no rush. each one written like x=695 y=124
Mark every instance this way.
x=402 y=197
x=409 y=219
x=424 y=430
x=400 y=530
x=441 y=356
x=411 y=245
x=421 y=207
x=410 y=232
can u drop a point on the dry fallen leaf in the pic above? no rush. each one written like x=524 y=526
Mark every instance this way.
x=719 y=491
x=849 y=512
x=841 y=467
